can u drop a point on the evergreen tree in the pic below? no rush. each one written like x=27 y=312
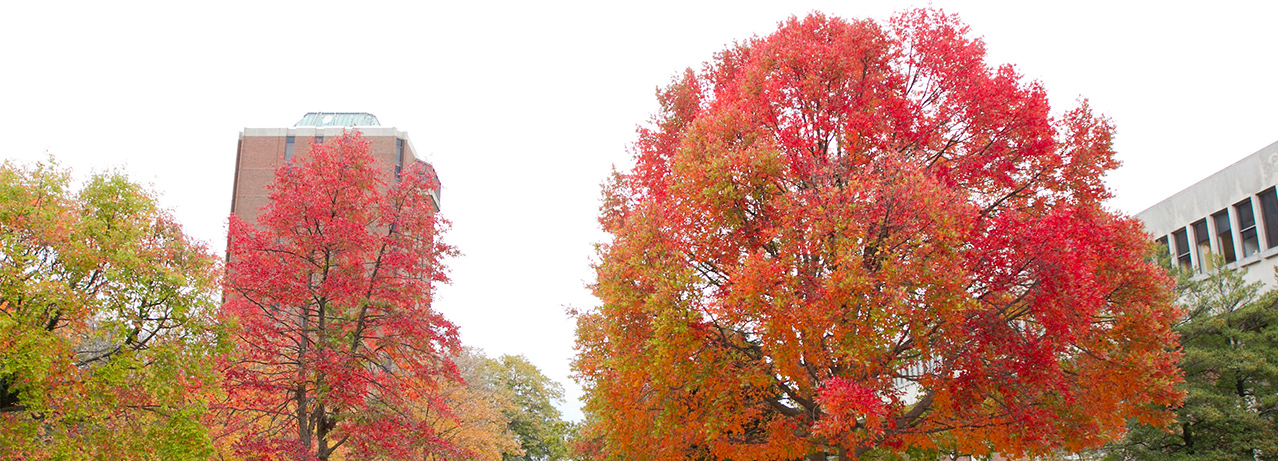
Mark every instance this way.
x=1229 y=338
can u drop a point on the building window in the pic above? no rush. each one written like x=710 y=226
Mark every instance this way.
x=1247 y=228
x=1224 y=235
x=1161 y=251
x=319 y=140
x=1269 y=213
x=288 y=149
x=1183 y=259
x=1202 y=245
x=399 y=156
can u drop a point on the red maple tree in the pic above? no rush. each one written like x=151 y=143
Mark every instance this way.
x=332 y=294
x=849 y=236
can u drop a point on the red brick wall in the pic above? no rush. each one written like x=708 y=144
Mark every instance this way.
x=258 y=159
x=260 y=156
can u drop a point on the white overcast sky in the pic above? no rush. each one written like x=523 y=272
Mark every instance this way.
x=523 y=107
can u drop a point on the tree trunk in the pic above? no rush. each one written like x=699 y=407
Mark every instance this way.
x=322 y=449
x=304 y=429
x=303 y=417
x=1187 y=434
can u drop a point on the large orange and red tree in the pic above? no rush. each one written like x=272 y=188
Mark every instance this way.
x=848 y=238
x=338 y=347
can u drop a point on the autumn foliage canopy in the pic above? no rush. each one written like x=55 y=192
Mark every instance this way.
x=849 y=238
x=338 y=348
x=108 y=321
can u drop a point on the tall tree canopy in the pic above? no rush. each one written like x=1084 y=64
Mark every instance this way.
x=849 y=236
x=107 y=321
x=337 y=338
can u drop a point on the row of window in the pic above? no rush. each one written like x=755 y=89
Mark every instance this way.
x=288 y=146
x=399 y=154
x=1232 y=232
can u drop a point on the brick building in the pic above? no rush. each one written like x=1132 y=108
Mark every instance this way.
x=263 y=150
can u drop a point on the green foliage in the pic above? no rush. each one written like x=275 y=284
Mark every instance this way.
x=107 y=323
x=543 y=434
x=1229 y=339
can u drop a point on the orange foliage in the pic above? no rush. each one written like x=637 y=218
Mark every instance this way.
x=478 y=425
x=849 y=236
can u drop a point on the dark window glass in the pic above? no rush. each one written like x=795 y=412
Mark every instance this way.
x=1163 y=248
x=1269 y=213
x=288 y=149
x=1247 y=228
x=1202 y=245
x=319 y=140
x=1182 y=250
x=1224 y=235
x=399 y=156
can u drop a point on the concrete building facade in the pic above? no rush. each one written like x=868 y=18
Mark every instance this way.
x=1232 y=214
x=261 y=151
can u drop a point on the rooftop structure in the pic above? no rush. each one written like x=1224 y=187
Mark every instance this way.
x=338 y=119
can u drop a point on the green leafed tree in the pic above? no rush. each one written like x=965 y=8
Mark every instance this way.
x=107 y=323
x=1230 y=341
x=543 y=433
x=479 y=407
